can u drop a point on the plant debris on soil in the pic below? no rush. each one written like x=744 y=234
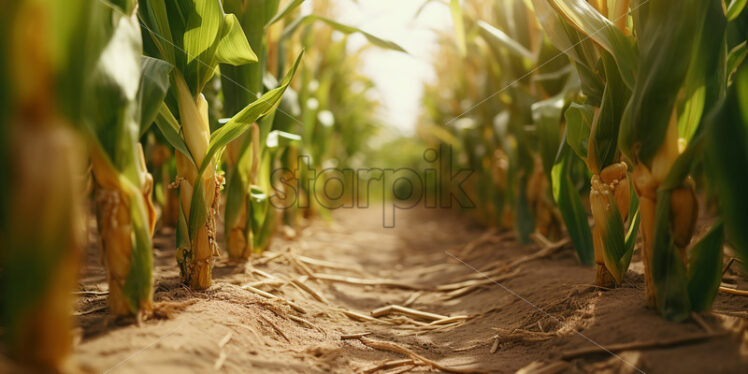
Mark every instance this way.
x=436 y=293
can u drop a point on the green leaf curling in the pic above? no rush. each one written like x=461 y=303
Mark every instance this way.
x=705 y=269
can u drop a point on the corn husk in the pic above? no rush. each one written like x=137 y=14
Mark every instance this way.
x=116 y=202
x=611 y=185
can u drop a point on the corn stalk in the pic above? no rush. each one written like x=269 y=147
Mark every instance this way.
x=242 y=85
x=125 y=95
x=43 y=67
x=212 y=37
x=666 y=156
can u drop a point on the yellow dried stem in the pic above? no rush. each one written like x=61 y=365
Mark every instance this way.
x=237 y=243
x=115 y=229
x=113 y=209
x=170 y=210
x=203 y=245
x=233 y=149
x=160 y=155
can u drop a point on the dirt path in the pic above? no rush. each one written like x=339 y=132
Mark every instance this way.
x=542 y=309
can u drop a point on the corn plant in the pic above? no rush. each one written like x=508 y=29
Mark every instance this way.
x=125 y=95
x=194 y=37
x=325 y=111
x=246 y=201
x=47 y=49
x=663 y=140
x=591 y=132
x=508 y=127
x=641 y=90
x=668 y=64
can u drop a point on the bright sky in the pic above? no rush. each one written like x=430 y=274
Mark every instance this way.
x=399 y=77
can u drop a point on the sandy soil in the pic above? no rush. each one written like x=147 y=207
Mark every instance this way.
x=540 y=310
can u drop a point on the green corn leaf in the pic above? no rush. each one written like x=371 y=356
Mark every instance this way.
x=194 y=36
x=258 y=208
x=735 y=8
x=690 y=115
x=633 y=229
x=667 y=43
x=736 y=58
x=154 y=83
x=234 y=128
x=603 y=143
x=726 y=156
x=546 y=116
x=707 y=76
x=265 y=124
x=262 y=238
x=234 y=49
x=564 y=37
x=278 y=140
x=242 y=121
x=494 y=35
x=156 y=22
x=201 y=35
x=290 y=7
x=580 y=49
x=241 y=85
x=382 y=43
x=170 y=129
x=139 y=281
x=110 y=108
x=234 y=199
x=592 y=84
x=570 y=204
x=590 y=22
x=525 y=224
x=614 y=240
x=578 y=126
x=705 y=269
x=631 y=240
x=198 y=209
x=668 y=271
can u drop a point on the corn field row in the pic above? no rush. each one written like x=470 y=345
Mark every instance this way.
x=184 y=106
x=625 y=111
x=620 y=123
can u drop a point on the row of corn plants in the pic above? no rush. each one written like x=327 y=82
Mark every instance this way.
x=97 y=97
x=607 y=116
